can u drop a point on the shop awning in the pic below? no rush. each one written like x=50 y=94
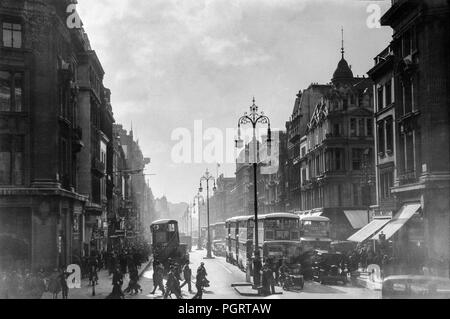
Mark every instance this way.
x=357 y=218
x=402 y=217
x=368 y=230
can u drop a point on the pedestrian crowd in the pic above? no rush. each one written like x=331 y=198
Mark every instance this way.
x=175 y=275
x=28 y=284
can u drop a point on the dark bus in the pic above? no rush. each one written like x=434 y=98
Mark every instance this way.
x=166 y=244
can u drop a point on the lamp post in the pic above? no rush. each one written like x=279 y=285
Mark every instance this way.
x=207 y=177
x=198 y=197
x=254 y=118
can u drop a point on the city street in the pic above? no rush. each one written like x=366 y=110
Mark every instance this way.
x=222 y=275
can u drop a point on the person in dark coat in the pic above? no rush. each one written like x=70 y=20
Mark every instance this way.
x=173 y=284
x=93 y=267
x=117 y=282
x=267 y=280
x=187 y=274
x=63 y=275
x=200 y=281
x=158 y=278
x=123 y=263
x=54 y=285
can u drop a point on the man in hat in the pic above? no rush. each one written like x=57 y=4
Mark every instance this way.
x=187 y=274
x=172 y=285
x=158 y=276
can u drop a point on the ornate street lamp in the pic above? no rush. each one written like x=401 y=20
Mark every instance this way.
x=198 y=197
x=207 y=178
x=254 y=118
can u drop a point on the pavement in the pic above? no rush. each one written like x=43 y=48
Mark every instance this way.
x=222 y=275
x=103 y=289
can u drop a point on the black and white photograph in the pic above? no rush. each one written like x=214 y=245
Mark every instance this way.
x=236 y=151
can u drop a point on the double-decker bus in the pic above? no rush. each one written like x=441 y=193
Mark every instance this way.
x=315 y=233
x=166 y=244
x=246 y=225
x=279 y=237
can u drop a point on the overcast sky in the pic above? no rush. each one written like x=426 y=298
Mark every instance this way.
x=171 y=62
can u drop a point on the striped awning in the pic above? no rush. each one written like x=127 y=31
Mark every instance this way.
x=357 y=218
x=368 y=230
x=406 y=212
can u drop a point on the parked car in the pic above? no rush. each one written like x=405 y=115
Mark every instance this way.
x=415 y=287
x=329 y=267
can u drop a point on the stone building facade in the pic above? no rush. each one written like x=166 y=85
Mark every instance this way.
x=336 y=166
x=419 y=66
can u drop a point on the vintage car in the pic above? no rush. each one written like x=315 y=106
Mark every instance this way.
x=329 y=267
x=343 y=246
x=219 y=248
x=415 y=287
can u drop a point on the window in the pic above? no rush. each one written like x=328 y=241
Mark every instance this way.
x=369 y=127
x=356 y=195
x=345 y=104
x=12 y=35
x=339 y=159
x=5 y=159
x=406 y=44
x=381 y=140
x=304 y=175
x=380 y=98
x=11 y=159
x=357 y=158
x=386 y=183
x=407 y=96
x=409 y=149
x=389 y=135
x=337 y=130
x=11 y=92
x=353 y=129
x=361 y=127
x=5 y=91
x=303 y=151
x=388 y=90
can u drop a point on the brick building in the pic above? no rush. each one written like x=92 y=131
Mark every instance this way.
x=40 y=137
x=58 y=191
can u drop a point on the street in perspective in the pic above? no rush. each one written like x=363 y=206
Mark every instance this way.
x=217 y=149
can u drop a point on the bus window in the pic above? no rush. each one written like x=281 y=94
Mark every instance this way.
x=269 y=235
x=282 y=235
x=171 y=227
x=160 y=237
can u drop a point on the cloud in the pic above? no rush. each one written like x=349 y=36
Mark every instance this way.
x=170 y=62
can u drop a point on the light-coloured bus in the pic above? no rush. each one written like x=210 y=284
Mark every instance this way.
x=279 y=237
x=315 y=233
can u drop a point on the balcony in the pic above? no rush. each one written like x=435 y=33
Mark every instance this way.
x=409 y=177
x=98 y=167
